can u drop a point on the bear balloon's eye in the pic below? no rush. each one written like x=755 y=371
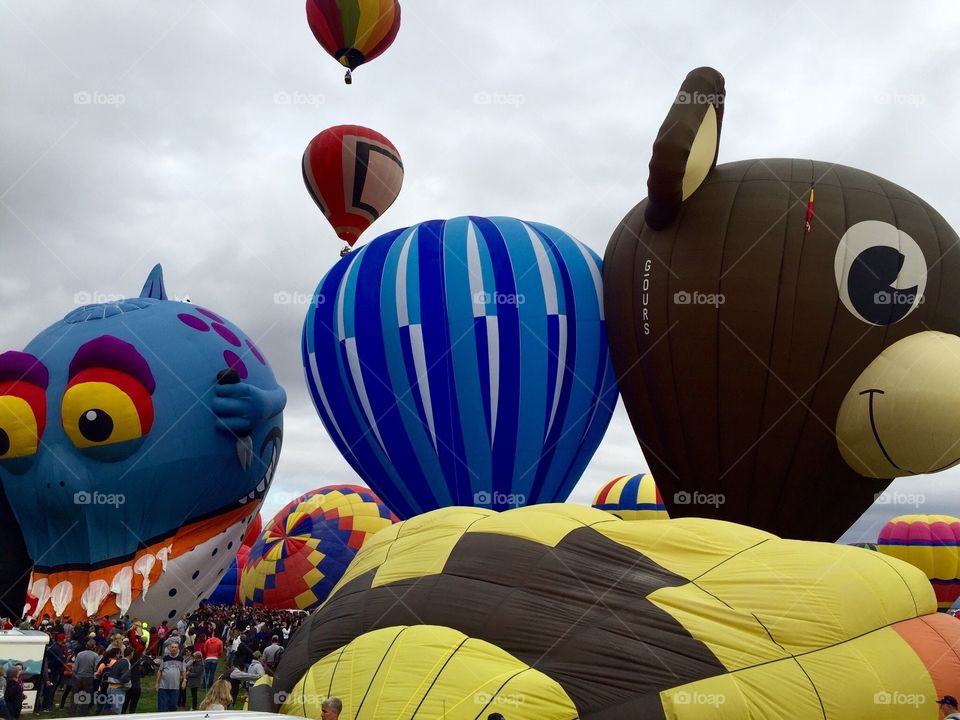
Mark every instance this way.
x=104 y=407
x=880 y=271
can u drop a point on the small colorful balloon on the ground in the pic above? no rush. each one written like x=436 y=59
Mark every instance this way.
x=631 y=497
x=930 y=543
x=463 y=362
x=353 y=174
x=354 y=32
x=305 y=549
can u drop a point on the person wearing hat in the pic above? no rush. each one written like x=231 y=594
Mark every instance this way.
x=948 y=707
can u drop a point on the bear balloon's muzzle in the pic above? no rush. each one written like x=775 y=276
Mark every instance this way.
x=902 y=415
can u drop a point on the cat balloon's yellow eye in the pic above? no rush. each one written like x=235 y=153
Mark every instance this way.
x=20 y=428
x=104 y=407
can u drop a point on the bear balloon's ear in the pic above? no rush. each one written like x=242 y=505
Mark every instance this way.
x=686 y=147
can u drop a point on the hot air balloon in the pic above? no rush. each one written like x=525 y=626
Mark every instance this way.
x=463 y=362
x=353 y=174
x=930 y=543
x=307 y=546
x=631 y=497
x=148 y=431
x=781 y=329
x=354 y=32
x=584 y=615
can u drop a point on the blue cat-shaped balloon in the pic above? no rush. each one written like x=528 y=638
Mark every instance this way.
x=138 y=439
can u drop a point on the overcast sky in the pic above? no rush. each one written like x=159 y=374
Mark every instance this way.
x=136 y=133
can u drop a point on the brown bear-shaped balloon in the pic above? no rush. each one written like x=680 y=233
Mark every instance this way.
x=784 y=331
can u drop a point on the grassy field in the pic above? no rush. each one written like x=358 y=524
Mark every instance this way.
x=148 y=698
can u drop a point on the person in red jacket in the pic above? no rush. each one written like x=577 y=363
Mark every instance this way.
x=212 y=650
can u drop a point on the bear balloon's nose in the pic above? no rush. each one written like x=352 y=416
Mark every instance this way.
x=902 y=415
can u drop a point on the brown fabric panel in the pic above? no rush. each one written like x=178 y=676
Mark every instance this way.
x=577 y=612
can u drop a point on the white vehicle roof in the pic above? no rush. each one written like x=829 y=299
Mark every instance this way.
x=25 y=636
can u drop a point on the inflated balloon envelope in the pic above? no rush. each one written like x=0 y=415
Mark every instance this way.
x=784 y=331
x=555 y=612
x=138 y=439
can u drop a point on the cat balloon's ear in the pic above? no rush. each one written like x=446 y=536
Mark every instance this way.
x=153 y=287
x=686 y=147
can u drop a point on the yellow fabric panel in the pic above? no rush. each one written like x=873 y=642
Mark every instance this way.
x=777 y=690
x=376 y=18
x=395 y=671
x=313 y=577
x=546 y=524
x=424 y=542
x=668 y=542
x=735 y=637
x=803 y=597
x=304 y=599
x=884 y=678
x=647 y=492
x=370 y=523
x=936 y=562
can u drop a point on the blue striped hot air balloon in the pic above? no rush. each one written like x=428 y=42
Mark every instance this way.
x=463 y=362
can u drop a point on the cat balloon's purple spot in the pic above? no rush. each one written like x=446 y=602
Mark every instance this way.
x=256 y=352
x=212 y=316
x=194 y=322
x=227 y=334
x=233 y=361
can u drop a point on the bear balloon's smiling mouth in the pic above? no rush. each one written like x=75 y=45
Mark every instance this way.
x=873 y=392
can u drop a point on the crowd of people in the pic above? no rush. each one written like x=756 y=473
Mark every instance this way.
x=101 y=665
